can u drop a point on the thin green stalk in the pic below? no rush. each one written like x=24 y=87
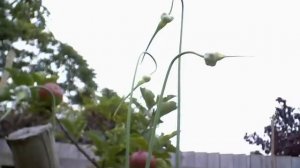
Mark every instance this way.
x=164 y=21
x=129 y=117
x=124 y=98
x=160 y=100
x=160 y=25
x=177 y=157
x=127 y=138
x=154 y=34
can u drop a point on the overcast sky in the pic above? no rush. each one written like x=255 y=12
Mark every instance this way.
x=219 y=104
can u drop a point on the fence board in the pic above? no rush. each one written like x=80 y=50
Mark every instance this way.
x=256 y=161
x=188 y=160
x=283 y=162
x=201 y=160
x=213 y=160
x=226 y=161
x=267 y=162
x=240 y=161
x=295 y=162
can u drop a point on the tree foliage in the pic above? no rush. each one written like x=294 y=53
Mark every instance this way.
x=23 y=29
x=286 y=132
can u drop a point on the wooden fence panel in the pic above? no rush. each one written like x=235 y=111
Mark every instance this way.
x=283 y=162
x=201 y=160
x=71 y=158
x=213 y=160
x=226 y=161
x=188 y=160
x=256 y=161
x=295 y=162
x=241 y=161
x=267 y=162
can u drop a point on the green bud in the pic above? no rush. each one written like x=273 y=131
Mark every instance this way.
x=146 y=78
x=164 y=20
x=211 y=59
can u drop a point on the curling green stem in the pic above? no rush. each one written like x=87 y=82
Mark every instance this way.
x=177 y=157
x=154 y=34
x=172 y=4
x=160 y=100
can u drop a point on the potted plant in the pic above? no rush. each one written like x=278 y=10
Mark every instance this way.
x=29 y=118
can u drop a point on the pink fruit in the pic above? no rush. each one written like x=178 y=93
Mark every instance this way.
x=45 y=95
x=138 y=160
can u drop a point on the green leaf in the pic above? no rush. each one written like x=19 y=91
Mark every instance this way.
x=164 y=144
x=80 y=125
x=75 y=127
x=6 y=94
x=138 y=105
x=169 y=97
x=20 y=78
x=166 y=138
x=114 y=150
x=52 y=78
x=68 y=125
x=161 y=163
x=167 y=107
x=97 y=141
x=166 y=98
x=39 y=77
x=138 y=143
x=148 y=97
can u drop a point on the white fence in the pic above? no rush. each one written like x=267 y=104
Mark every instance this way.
x=215 y=160
x=71 y=158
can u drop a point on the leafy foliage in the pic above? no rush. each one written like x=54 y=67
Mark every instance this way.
x=23 y=30
x=95 y=123
x=106 y=131
x=286 y=132
x=20 y=103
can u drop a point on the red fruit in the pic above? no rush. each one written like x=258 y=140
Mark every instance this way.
x=138 y=160
x=45 y=95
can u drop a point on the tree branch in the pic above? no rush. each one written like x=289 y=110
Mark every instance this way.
x=93 y=161
x=8 y=64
